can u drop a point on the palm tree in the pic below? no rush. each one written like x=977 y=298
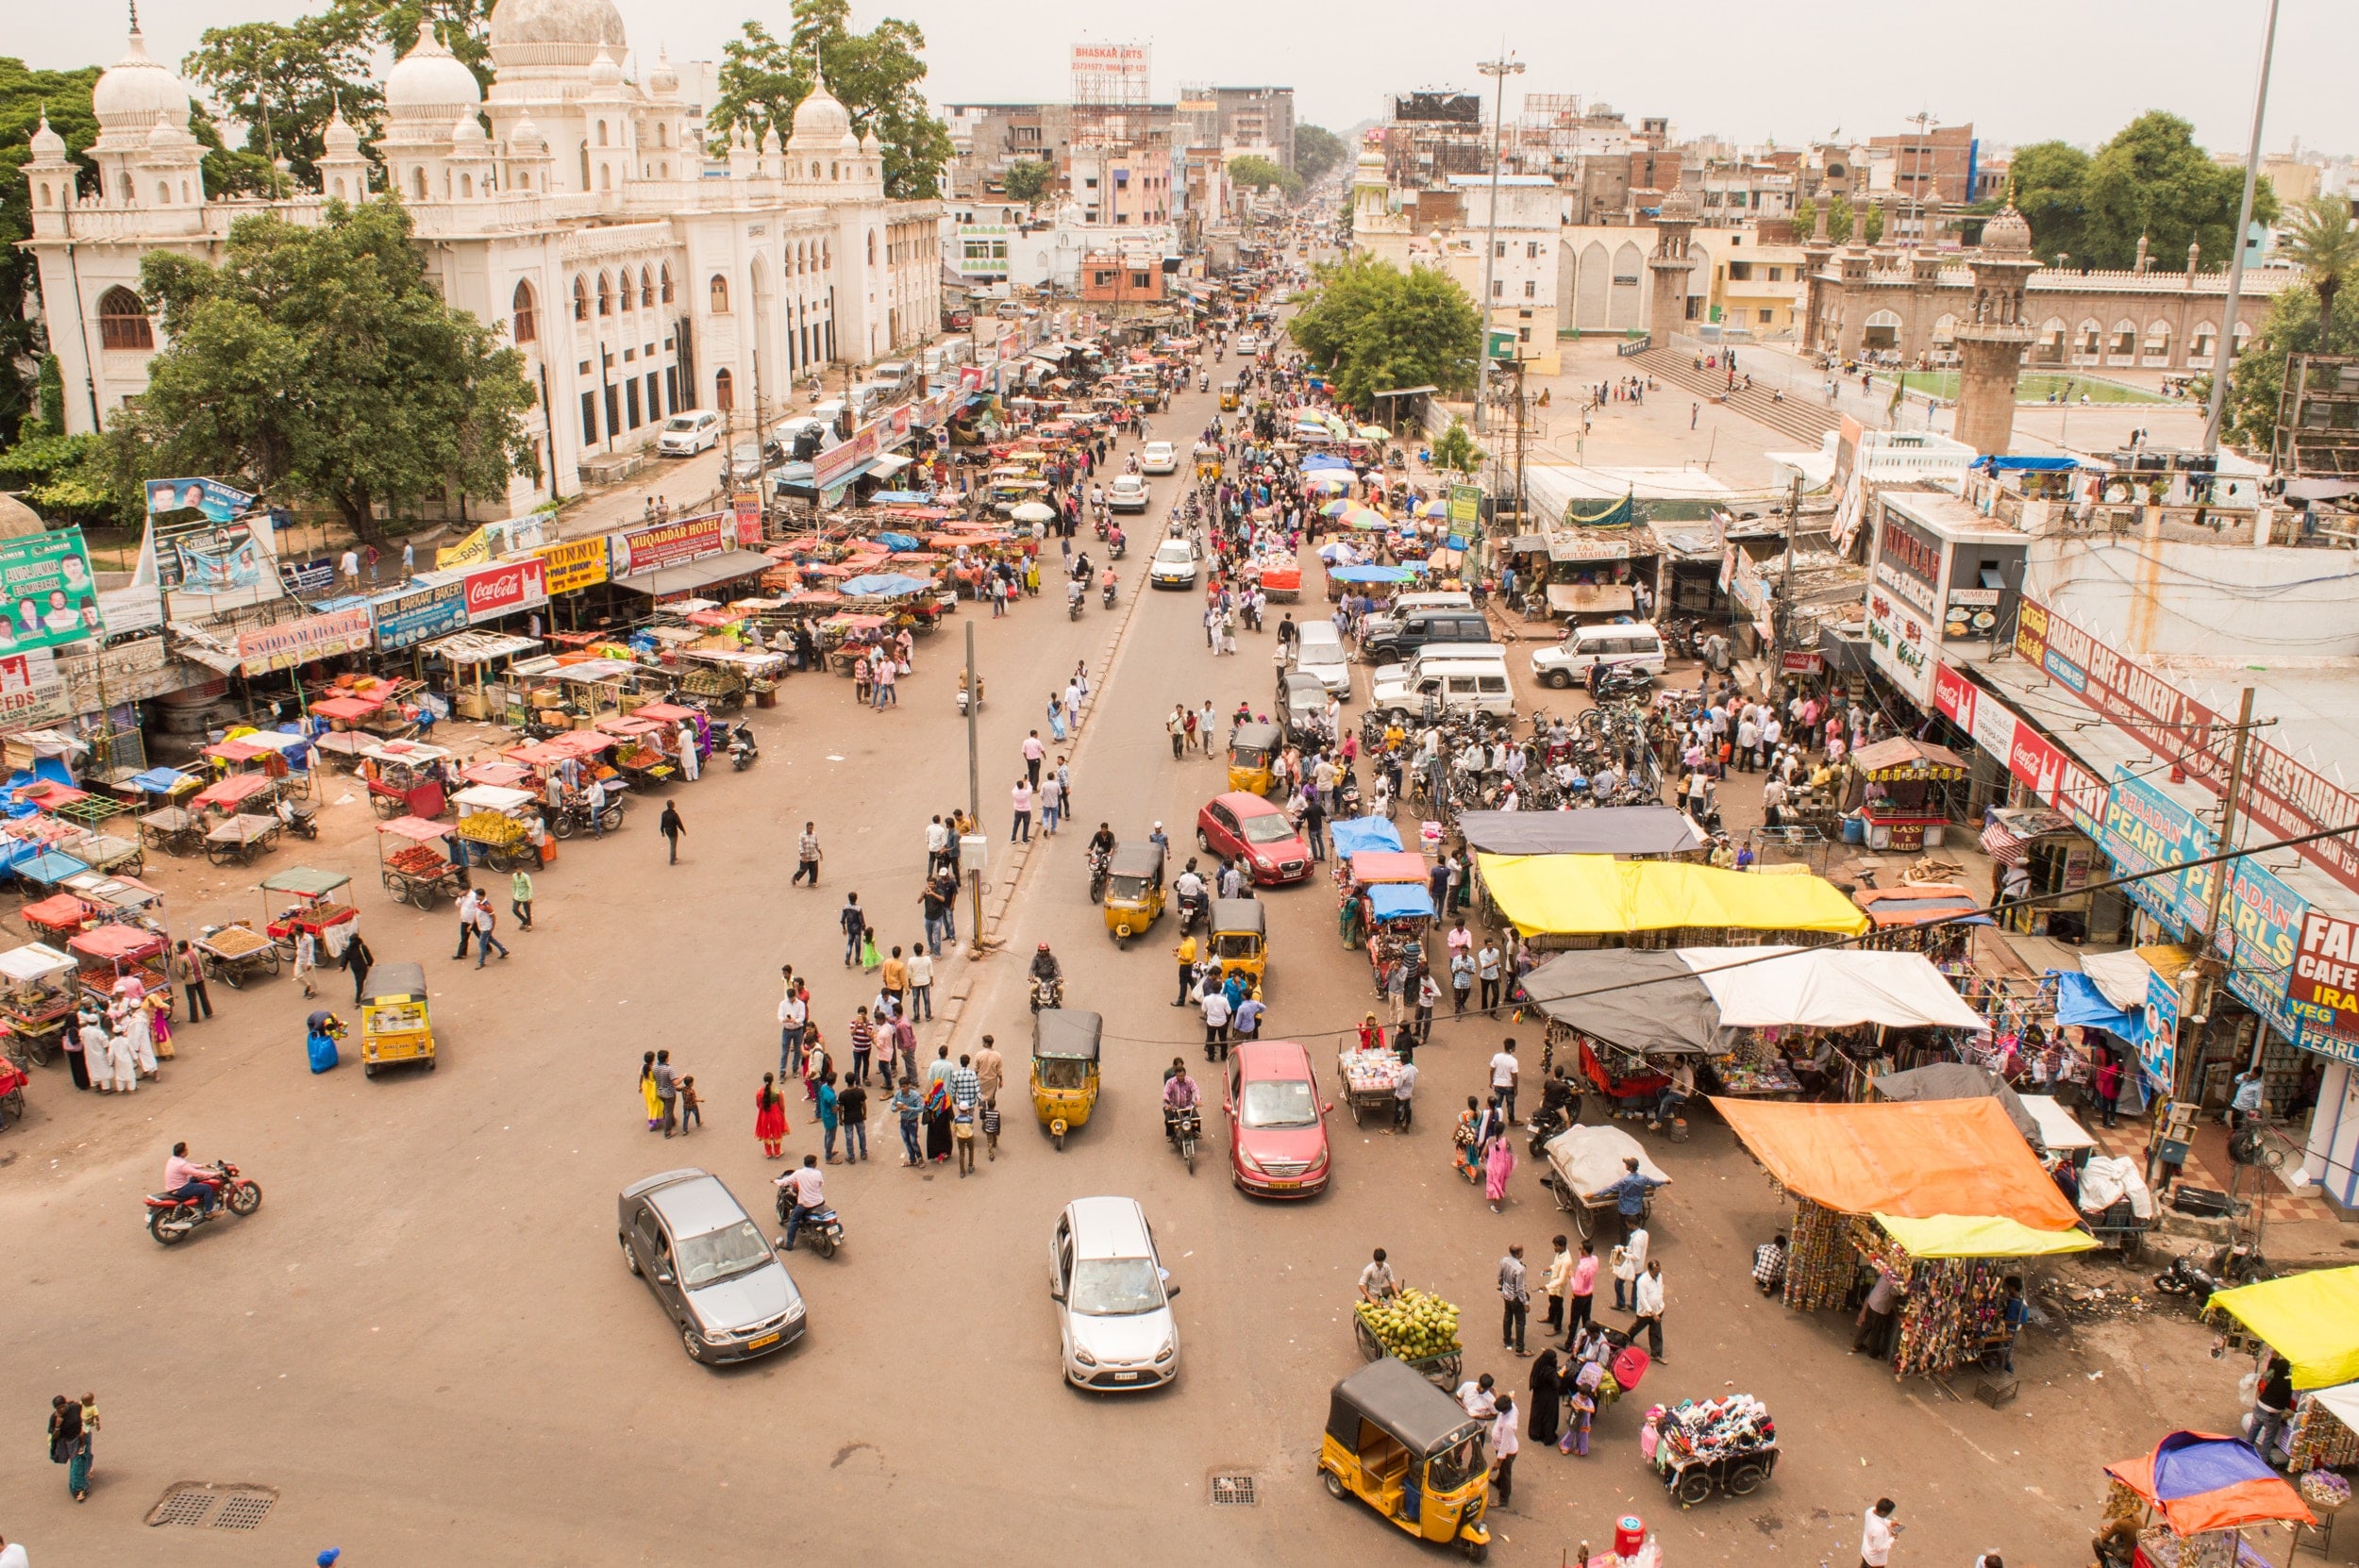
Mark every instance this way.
x=2322 y=243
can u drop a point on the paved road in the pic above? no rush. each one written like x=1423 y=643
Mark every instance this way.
x=426 y=1340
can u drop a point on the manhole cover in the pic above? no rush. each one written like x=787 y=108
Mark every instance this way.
x=1234 y=1492
x=209 y=1504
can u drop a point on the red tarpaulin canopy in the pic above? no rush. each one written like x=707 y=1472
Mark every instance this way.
x=230 y=791
x=503 y=776
x=350 y=709
x=1916 y=1158
x=57 y=911
x=115 y=943
x=2201 y=1482
x=416 y=828
x=670 y=713
x=1388 y=865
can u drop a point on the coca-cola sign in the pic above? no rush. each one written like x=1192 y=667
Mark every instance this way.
x=506 y=585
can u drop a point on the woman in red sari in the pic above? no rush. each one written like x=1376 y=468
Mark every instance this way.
x=770 y=1117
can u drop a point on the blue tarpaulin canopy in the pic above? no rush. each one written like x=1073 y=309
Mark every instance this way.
x=1373 y=573
x=2002 y=464
x=901 y=541
x=160 y=781
x=50 y=867
x=1395 y=900
x=1318 y=460
x=2079 y=1002
x=881 y=585
x=1359 y=833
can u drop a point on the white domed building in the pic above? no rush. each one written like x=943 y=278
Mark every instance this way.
x=641 y=270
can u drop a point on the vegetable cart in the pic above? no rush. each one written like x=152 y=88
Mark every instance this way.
x=1584 y=1161
x=1368 y=1079
x=492 y=819
x=314 y=907
x=36 y=1000
x=240 y=839
x=412 y=869
x=234 y=953
x=1728 y=1445
x=111 y=958
x=1415 y=1327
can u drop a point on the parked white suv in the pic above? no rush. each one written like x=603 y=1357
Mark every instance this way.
x=685 y=435
x=1126 y=493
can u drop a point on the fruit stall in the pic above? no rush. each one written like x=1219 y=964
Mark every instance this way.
x=1418 y=1328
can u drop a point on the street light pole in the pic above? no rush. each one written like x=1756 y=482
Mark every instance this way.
x=1505 y=66
x=2224 y=346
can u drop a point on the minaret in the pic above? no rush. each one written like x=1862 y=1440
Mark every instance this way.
x=1991 y=340
x=49 y=178
x=344 y=171
x=1817 y=252
x=1666 y=311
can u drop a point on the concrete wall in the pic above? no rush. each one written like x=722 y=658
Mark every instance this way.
x=2152 y=596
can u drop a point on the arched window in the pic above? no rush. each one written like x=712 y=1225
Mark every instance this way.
x=814 y=169
x=1946 y=331
x=45 y=192
x=720 y=290
x=826 y=254
x=622 y=284
x=340 y=190
x=666 y=275
x=417 y=183
x=871 y=247
x=605 y=297
x=724 y=390
x=1883 y=330
x=2090 y=337
x=647 y=288
x=585 y=166
x=606 y=176
x=601 y=133
x=835 y=171
x=581 y=300
x=163 y=193
x=467 y=185
x=2157 y=345
x=525 y=328
x=123 y=321
x=663 y=135
x=2125 y=337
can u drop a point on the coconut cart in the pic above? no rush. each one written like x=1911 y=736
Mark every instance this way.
x=1415 y=1327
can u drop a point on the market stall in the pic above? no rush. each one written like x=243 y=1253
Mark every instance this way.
x=36 y=1000
x=1903 y=790
x=1583 y=901
x=401 y=778
x=498 y=826
x=411 y=864
x=2058 y=861
x=2191 y=1501
x=116 y=960
x=477 y=663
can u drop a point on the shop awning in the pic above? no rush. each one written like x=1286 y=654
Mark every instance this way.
x=1628 y=830
x=1920 y=904
x=1397 y=900
x=2201 y=1481
x=1669 y=1014
x=1957 y=1080
x=1595 y=896
x=1923 y=1159
x=687 y=579
x=1966 y=1236
x=481 y=647
x=1355 y=834
x=2310 y=1319
x=2122 y=979
x=1694 y=998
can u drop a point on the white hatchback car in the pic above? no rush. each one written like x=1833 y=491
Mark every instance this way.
x=1159 y=456
x=1114 y=1306
x=685 y=435
x=1126 y=493
x=1174 y=565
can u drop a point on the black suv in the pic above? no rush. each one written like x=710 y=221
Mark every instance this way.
x=1422 y=628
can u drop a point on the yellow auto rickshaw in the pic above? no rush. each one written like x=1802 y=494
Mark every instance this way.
x=394 y=1023
x=1134 y=889
x=1411 y=1453
x=1229 y=397
x=1064 y=1068
x=1241 y=938
x=1251 y=752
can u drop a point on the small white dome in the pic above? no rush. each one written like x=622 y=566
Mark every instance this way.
x=606 y=71
x=129 y=94
x=819 y=119
x=770 y=141
x=662 y=81
x=339 y=137
x=167 y=137
x=2007 y=233
x=526 y=136
x=869 y=144
x=468 y=132
x=430 y=77
x=47 y=143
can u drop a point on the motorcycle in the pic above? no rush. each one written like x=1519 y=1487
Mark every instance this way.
x=744 y=750
x=1106 y=593
x=1115 y=543
x=170 y=1219
x=1103 y=524
x=1622 y=680
x=2224 y=1266
x=1191 y=911
x=1072 y=600
x=1047 y=991
x=1100 y=862
x=1182 y=1128
x=1545 y=1123
x=962 y=695
x=574 y=817
x=825 y=1230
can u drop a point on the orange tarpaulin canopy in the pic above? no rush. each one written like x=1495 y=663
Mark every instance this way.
x=1918 y=1159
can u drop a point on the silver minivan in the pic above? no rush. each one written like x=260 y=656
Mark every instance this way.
x=1113 y=1304
x=1319 y=653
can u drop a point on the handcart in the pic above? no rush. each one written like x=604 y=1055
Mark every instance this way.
x=314 y=907
x=398 y=782
x=1727 y=1444
x=1368 y=1079
x=1584 y=1161
x=416 y=872
x=1415 y=1327
x=56 y=918
x=172 y=829
x=233 y=954
x=112 y=960
x=107 y=854
x=36 y=1000
x=240 y=839
x=491 y=822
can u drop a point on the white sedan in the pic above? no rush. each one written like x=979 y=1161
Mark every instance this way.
x=1113 y=1303
x=1159 y=456
x=1174 y=565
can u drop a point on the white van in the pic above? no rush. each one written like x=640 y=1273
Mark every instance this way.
x=1319 y=653
x=1611 y=644
x=685 y=435
x=1465 y=677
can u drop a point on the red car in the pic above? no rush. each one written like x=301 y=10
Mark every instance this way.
x=1277 y=1122
x=1249 y=830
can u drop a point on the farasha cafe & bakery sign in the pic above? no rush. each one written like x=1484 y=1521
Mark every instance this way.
x=2323 y=991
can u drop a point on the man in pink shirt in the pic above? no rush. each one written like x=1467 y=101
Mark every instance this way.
x=185 y=1179
x=1584 y=1281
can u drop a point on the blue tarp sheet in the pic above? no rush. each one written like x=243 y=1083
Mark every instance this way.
x=49 y=867
x=1355 y=834
x=2079 y=1002
x=160 y=781
x=1998 y=464
x=1391 y=900
x=901 y=541
x=1318 y=460
x=880 y=584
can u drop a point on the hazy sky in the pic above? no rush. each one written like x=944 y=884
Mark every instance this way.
x=2021 y=70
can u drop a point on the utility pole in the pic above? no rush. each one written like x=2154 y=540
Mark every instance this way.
x=2226 y=869
x=2224 y=346
x=1925 y=122
x=1505 y=66
x=1783 y=623
x=973 y=786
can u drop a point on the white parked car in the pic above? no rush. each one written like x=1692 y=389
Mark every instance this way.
x=1174 y=565
x=1126 y=493
x=1113 y=1308
x=685 y=435
x=1160 y=457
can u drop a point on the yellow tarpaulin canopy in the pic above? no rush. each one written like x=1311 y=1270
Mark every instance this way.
x=1596 y=895
x=1980 y=1236
x=2310 y=1319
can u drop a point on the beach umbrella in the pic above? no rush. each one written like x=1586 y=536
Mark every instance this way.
x=1034 y=511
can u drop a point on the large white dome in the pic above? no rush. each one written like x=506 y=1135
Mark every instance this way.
x=130 y=94
x=819 y=120
x=430 y=77
x=554 y=32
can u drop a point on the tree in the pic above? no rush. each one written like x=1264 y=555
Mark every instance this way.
x=1838 y=219
x=322 y=362
x=1026 y=179
x=1256 y=173
x=1374 y=328
x=875 y=75
x=1456 y=450
x=1872 y=226
x=2322 y=243
x=2151 y=181
x=2258 y=374
x=2050 y=180
x=23 y=94
x=282 y=80
x=1317 y=150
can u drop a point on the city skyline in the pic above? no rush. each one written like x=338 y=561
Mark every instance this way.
x=1341 y=80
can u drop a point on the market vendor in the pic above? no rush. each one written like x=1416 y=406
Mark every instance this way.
x=1813 y=1070
x=1675 y=1094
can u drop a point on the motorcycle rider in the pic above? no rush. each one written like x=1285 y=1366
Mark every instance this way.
x=1073 y=596
x=1102 y=842
x=807 y=1188
x=1180 y=1093
x=184 y=1179
x=1109 y=586
x=1188 y=888
x=1044 y=967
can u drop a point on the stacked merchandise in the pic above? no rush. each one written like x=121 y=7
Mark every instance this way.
x=1755 y=1071
x=418 y=861
x=1955 y=1309
x=2320 y=1441
x=1415 y=1326
x=1819 y=1263
x=1701 y=1432
x=2160 y=1547
x=1370 y=1072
